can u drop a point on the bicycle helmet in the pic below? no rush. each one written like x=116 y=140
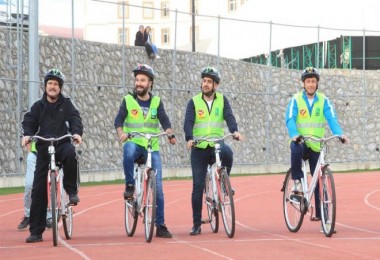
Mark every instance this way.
x=144 y=69
x=56 y=75
x=212 y=73
x=310 y=72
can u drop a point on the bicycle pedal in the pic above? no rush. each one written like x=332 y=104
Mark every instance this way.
x=205 y=221
x=208 y=199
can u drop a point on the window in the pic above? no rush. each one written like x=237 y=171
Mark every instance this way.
x=125 y=35
x=120 y=9
x=232 y=5
x=165 y=10
x=196 y=6
x=148 y=12
x=165 y=36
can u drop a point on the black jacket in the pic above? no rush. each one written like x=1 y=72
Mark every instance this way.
x=52 y=119
x=139 y=40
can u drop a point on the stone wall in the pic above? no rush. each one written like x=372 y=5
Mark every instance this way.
x=258 y=94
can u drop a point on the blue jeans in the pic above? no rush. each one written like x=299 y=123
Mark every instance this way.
x=297 y=152
x=29 y=177
x=199 y=162
x=132 y=152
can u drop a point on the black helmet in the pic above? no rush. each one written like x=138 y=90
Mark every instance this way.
x=144 y=69
x=56 y=75
x=212 y=73
x=310 y=72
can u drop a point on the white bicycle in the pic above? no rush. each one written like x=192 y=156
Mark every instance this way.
x=297 y=205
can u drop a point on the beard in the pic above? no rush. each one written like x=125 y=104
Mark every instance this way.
x=142 y=92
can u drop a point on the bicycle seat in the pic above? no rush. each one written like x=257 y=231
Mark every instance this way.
x=141 y=160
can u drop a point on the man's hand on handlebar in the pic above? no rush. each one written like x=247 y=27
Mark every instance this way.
x=77 y=139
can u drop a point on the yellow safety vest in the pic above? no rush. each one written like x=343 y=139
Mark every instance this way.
x=135 y=121
x=208 y=125
x=313 y=124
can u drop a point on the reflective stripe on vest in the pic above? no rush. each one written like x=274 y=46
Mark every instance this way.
x=313 y=124
x=208 y=125
x=135 y=121
x=33 y=147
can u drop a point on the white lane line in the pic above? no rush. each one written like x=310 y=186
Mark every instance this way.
x=369 y=203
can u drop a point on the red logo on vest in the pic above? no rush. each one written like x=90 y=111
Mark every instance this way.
x=134 y=113
x=201 y=113
x=303 y=113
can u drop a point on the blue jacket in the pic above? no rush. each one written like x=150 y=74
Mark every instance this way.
x=328 y=112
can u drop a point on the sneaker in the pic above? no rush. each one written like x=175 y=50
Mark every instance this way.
x=162 y=231
x=158 y=56
x=196 y=230
x=34 y=239
x=23 y=224
x=129 y=190
x=74 y=199
x=297 y=187
x=49 y=223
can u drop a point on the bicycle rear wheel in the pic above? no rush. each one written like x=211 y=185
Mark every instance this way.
x=67 y=217
x=53 y=205
x=226 y=200
x=212 y=210
x=130 y=216
x=328 y=202
x=292 y=205
x=150 y=206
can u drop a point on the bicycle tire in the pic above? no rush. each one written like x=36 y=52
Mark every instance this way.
x=150 y=206
x=53 y=205
x=130 y=216
x=328 y=202
x=227 y=206
x=212 y=210
x=292 y=206
x=67 y=214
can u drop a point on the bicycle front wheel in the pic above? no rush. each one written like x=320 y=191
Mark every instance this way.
x=212 y=210
x=67 y=216
x=328 y=202
x=226 y=200
x=292 y=205
x=53 y=205
x=150 y=206
x=130 y=216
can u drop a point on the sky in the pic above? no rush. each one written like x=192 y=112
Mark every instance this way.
x=336 y=14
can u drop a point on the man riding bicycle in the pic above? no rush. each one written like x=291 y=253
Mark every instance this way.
x=306 y=114
x=54 y=115
x=142 y=111
x=205 y=114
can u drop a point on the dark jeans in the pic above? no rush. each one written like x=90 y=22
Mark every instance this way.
x=64 y=153
x=299 y=151
x=199 y=162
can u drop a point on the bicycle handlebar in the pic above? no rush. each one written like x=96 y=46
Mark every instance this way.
x=51 y=139
x=317 y=139
x=215 y=140
x=149 y=136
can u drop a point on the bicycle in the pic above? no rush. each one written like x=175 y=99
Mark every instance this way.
x=218 y=191
x=58 y=202
x=144 y=198
x=295 y=206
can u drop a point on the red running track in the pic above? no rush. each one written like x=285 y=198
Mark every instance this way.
x=261 y=232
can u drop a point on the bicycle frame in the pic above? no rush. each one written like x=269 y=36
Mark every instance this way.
x=221 y=197
x=57 y=196
x=144 y=202
x=296 y=205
